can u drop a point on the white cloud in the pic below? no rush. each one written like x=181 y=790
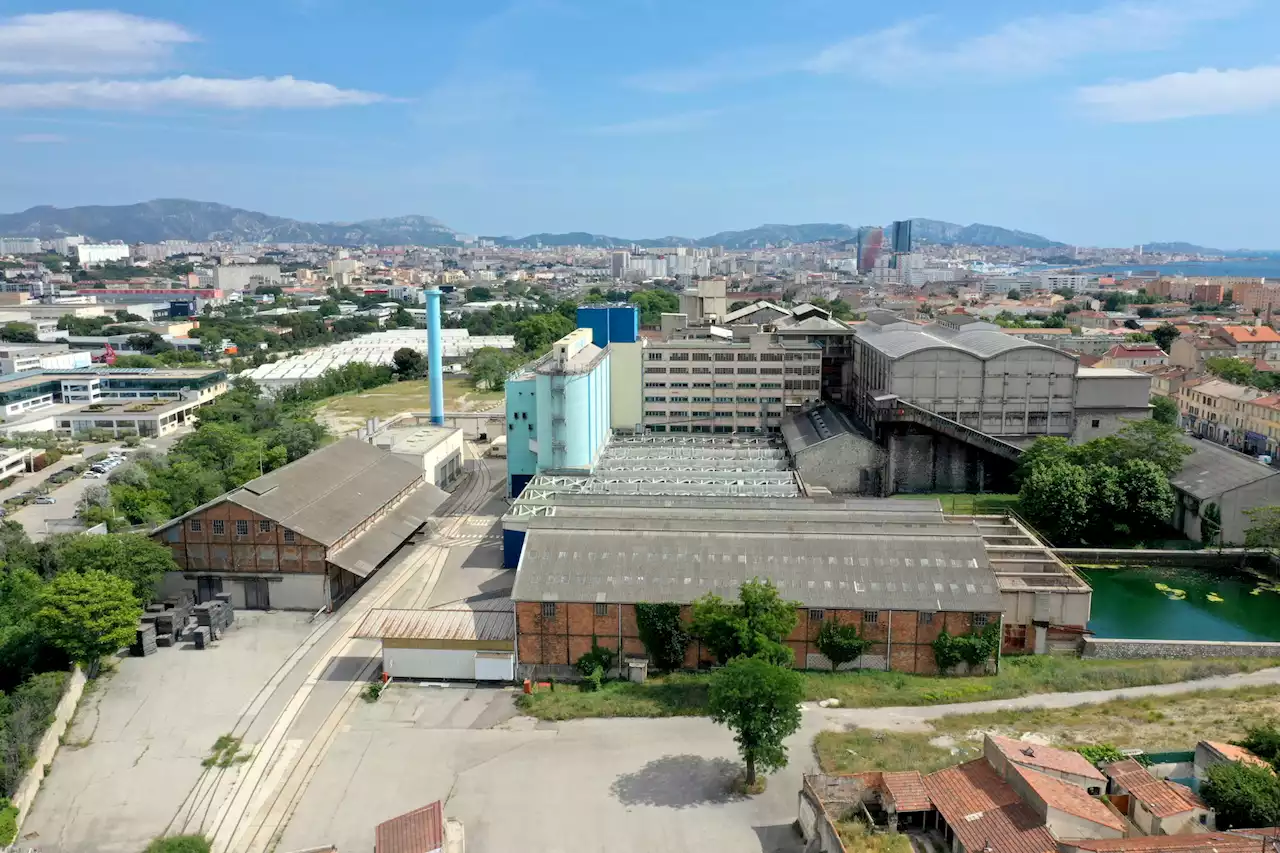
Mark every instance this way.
x=677 y=123
x=1031 y=45
x=39 y=138
x=251 y=93
x=1207 y=92
x=89 y=42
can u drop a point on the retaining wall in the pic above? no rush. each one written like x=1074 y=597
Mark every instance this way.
x=1106 y=649
x=30 y=784
x=1227 y=558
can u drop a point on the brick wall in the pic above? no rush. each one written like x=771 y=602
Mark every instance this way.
x=197 y=547
x=560 y=634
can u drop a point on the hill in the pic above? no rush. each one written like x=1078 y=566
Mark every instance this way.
x=949 y=233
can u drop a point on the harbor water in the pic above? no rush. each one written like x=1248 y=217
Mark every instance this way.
x=1183 y=604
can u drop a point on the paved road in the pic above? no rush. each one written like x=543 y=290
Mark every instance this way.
x=915 y=718
x=29 y=481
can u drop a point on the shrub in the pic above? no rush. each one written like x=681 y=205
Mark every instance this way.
x=663 y=634
x=595 y=679
x=841 y=643
x=599 y=658
x=180 y=844
x=372 y=691
x=1243 y=795
x=31 y=710
x=8 y=822
x=1101 y=753
x=974 y=648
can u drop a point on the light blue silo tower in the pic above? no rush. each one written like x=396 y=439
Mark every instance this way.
x=435 y=357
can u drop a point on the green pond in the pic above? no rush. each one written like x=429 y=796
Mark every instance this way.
x=1128 y=603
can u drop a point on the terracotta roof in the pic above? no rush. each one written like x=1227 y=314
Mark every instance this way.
x=982 y=808
x=1252 y=334
x=1046 y=757
x=907 y=791
x=1230 y=751
x=419 y=831
x=1069 y=798
x=1089 y=360
x=1160 y=797
x=1201 y=842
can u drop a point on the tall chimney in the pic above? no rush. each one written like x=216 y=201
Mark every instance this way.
x=435 y=369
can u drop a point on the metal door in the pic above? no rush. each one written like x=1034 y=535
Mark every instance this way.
x=207 y=588
x=256 y=594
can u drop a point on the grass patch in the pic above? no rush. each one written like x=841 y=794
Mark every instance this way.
x=180 y=844
x=225 y=752
x=954 y=504
x=857 y=838
x=408 y=396
x=677 y=695
x=1153 y=724
x=685 y=694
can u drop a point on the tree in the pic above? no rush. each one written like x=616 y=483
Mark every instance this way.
x=1164 y=410
x=479 y=294
x=149 y=343
x=756 y=625
x=663 y=634
x=1264 y=527
x=1263 y=741
x=1146 y=439
x=1242 y=795
x=88 y=614
x=137 y=361
x=1235 y=370
x=1043 y=451
x=1055 y=497
x=21 y=333
x=409 y=363
x=132 y=557
x=1165 y=334
x=841 y=643
x=539 y=332
x=760 y=703
x=489 y=367
x=653 y=304
x=1146 y=312
x=1015 y=294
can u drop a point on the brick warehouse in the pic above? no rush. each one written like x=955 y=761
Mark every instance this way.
x=304 y=536
x=902 y=582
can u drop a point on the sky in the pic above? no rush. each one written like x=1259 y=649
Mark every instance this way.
x=1094 y=123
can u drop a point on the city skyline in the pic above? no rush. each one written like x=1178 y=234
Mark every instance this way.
x=1092 y=123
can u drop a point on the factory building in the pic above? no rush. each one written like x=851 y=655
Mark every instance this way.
x=558 y=410
x=618 y=328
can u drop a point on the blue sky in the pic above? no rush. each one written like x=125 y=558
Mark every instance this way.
x=1106 y=123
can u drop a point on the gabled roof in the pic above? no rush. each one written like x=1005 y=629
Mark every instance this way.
x=982 y=808
x=1237 y=841
x=1045 y=757
x=1068 y=798
x=1251 y=334
x=1212 y=470
x=1231 y=752
x=1159 y=796
x=907 y=790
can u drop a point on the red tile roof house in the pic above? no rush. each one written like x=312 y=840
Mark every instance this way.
x=1156 y=806
x=1211 y=752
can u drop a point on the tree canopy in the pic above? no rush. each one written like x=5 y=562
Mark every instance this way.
x=88 y=615
x=760 y=703
x=653 y=304
x=1242 y=795
x=756 y=624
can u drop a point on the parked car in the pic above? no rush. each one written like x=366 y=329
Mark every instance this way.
x=45 y=499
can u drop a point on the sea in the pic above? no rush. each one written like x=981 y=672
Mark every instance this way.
x=1259 y=268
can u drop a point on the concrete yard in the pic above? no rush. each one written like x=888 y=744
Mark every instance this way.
x=134 y=750
x=621 y=785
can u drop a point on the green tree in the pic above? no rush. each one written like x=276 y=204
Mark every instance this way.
x=1150 y=500
x=1263 y=741
x=663 y=633
x=1146 y=439
x=841 y=643
x=88 y=614
x=760 y=703
x=130 y=360
x=1015 y=294
x=1235 y=370
x=1043 y=451
x=1165 y=334
x=1242 y=795
x=539 y=332
x=409 y=363
x=755 y=625
x=21 y=333
x=653 y=304
x=479 y=294
x=1055 y=497
x=1164 y=410
x=132 y=557
x=489 y=367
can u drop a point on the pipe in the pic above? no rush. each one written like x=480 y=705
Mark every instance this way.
x=435 y=369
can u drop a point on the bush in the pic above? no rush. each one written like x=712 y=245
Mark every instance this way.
x=974 y=648
x=1100 y=753
x=180 y=844
x=599 y=658
x=8 y=822
x=1243 y=795
x=372 y=691
x=841 y=643
x=30 y=712
x=663 y=634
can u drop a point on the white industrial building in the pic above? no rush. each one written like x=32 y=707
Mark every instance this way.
x=374 y=348
x=97 y=254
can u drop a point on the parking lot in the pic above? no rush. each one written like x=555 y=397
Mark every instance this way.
x=620 y=785
x=134 y=751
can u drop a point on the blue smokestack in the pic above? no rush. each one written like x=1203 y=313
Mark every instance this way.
x=435 y=370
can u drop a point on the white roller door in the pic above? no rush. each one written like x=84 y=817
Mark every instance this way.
x=429 y=663
x=495 y=666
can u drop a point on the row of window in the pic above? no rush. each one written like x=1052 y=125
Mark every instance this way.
x=730 y=356
x=869 y=617
x=724 y=386
x=724 y=400
x=218 y=527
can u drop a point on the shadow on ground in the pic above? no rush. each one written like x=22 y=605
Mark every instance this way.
x=780 y=838
x=679 y=781
x=347 y=668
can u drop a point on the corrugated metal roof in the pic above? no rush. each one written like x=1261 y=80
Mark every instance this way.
x=367 y=551
x=1211 y=470
x=897 y=342
x=419 y=831
x=910 y=572
x=439 y=624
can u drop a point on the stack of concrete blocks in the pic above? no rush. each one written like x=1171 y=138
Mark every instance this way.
x=145 y=642
x=213 y=618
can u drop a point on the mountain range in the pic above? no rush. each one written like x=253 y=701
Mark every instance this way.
x=183 y=219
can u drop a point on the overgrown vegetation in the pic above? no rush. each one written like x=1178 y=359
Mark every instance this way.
x=975 y=648
x=753 y=626
x=8 y=821
x=663 y=634
x=858 y=838
x=1243 y=795
x=180 y=844
x=841 y=644
x=225 y=752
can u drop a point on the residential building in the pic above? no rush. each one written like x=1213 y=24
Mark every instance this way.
x=1216 y=409
x=1252 y=342
x=1210 y=753
x=1262 y=426
x=237 y=278
x=1166 y=379
x=1259 y=296
x=1134 y=356
x=1192 y=352
x=558 y=410
x=305 y=536
x=97 y=254
x=1089 y=319
x=19 y=245
x=1156 y=806
x=1215 y=487
x=1208 y=292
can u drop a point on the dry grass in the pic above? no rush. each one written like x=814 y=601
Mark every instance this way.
x=856 y=838
x=1153 y=723
x=349 y=411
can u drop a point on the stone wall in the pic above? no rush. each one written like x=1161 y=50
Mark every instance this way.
x=1131 y=649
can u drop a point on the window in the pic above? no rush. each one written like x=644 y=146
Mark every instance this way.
x=219 y=527
x=817 y=615
x=979 y=620
x=196 y=525
x=264 y=527
x=654 y=356
x=1096 y=423
x=926 y=618
x=242 y=527
x=289 y=537
x=870 y=616
x=702 y=356
x=602 y=609
x=548 y=610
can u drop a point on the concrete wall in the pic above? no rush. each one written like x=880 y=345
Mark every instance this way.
x=307 y=592
x=927 y=462
x=522 y=428
x=626 y=400
x=1264 y=492
x=1098 y=423
x=1131 y=649
x=846 y=464
x=25 y=794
